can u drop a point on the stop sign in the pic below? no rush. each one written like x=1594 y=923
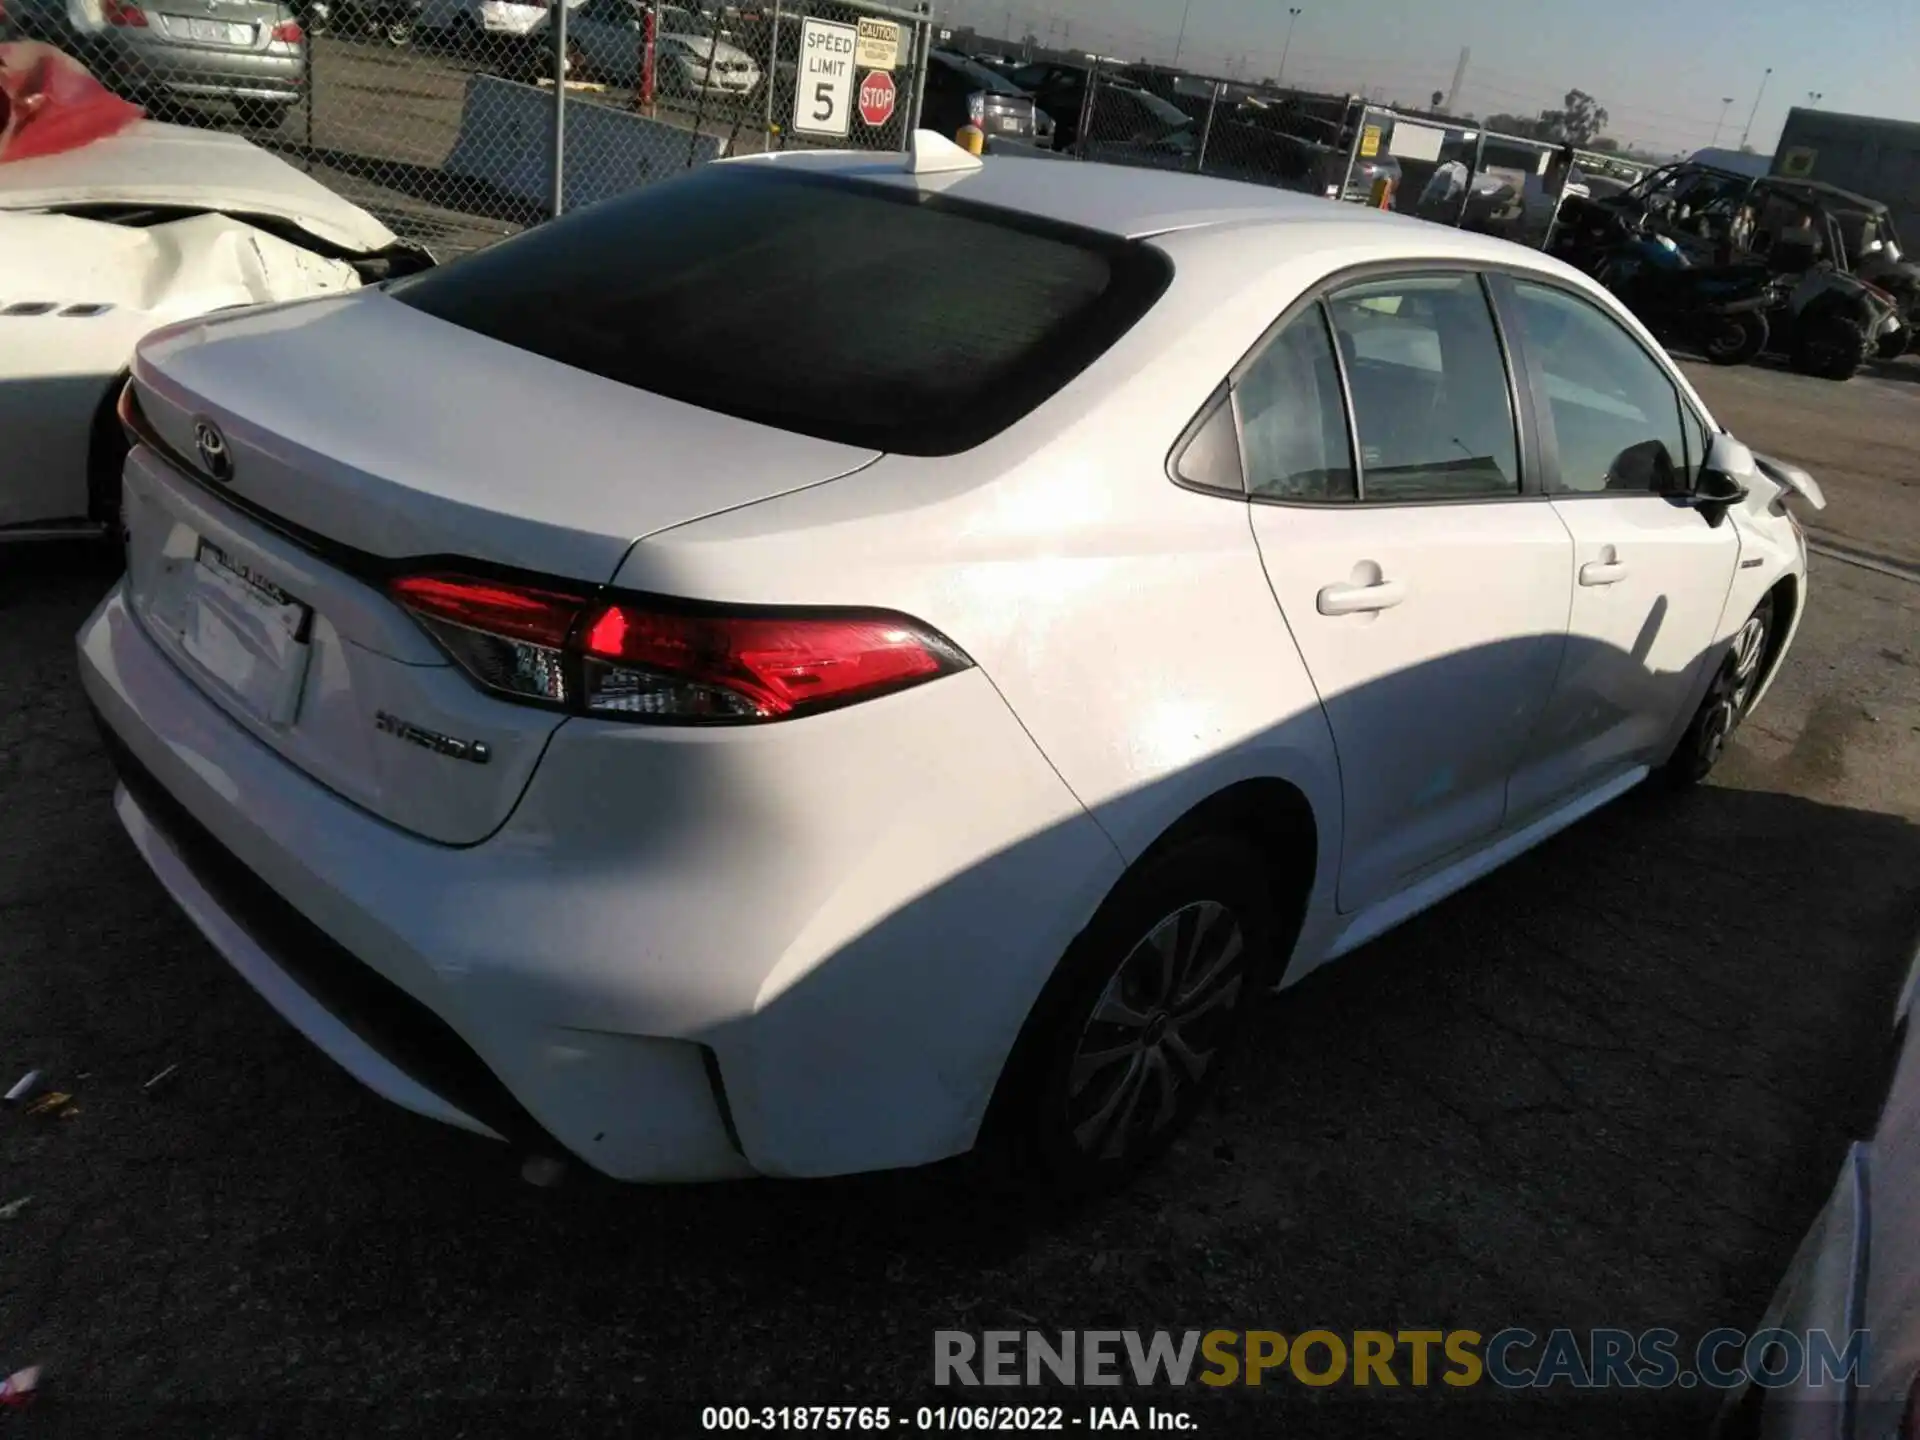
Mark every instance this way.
x=876 y=98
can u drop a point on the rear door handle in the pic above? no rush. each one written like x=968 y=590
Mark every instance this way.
x=1354 y=599
x=1602 y=572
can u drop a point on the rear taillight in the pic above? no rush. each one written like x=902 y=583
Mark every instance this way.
x=633 y=658
x=289 y=32
x=123 y=12
x=977 y=109
x=510 y=638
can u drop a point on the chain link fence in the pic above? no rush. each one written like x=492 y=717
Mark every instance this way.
x=1438 y=167
x=458 y=122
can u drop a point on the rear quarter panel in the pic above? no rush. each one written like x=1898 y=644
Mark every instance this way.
x=1126 y=621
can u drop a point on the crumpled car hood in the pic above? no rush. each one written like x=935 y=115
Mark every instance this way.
x=151 y=163
x=63 y=266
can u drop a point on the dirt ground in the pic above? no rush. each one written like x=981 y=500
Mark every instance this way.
x=1609 y=1085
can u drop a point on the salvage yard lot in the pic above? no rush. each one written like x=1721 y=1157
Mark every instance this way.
x=384 y=121
x=1608 y=1086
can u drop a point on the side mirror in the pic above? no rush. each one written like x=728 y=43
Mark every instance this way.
x=1714 y=493
x=1721 y=483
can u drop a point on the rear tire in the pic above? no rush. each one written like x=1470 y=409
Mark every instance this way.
x=1736 y=339
x=397 y=33
x=1830 y=347
x=1893 y=346
x=1132 y=1032
x=1727 y=700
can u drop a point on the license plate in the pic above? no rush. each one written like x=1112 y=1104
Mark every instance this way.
x=1008 y=122
x=248 y=634
x=219 y=32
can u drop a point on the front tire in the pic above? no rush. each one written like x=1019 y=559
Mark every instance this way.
x=1130 y=1036
x=1892 y=347
x=397 y=33
x=1727 y=700
x=1736 y=339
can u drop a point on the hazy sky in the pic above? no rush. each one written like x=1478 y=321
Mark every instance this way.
x=1660 y=67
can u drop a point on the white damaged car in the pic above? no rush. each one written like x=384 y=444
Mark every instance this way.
x=100 y=245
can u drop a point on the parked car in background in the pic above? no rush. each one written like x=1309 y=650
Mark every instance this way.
x=986 y=716
x=250 y=54
x=477 y=22
x=689 y=58
x=1129 y=125
x=1300 y=144
x=1059 y=89
x=393 y=21
x=101 y=244
x=960 y=92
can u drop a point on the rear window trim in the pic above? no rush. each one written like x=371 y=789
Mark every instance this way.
x=1141 y=275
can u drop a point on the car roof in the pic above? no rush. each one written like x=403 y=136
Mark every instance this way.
x=1126 y=200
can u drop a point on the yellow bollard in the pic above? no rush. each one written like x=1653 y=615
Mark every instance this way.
x=972 y=139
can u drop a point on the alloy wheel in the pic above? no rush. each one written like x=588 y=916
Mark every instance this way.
x=1156 y=1031
x=1734 y=687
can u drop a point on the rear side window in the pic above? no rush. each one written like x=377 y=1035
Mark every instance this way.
x=866 y=314
x=1293 y=424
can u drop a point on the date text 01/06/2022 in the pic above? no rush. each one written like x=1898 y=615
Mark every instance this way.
x=977 y=1419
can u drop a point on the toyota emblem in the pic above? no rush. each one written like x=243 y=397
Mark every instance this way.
x=215 y=458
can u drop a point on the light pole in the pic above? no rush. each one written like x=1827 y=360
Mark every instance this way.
x=1814 y=97
x=1182 y=39
x=1725 y=102
x=1293 y=19
x=1746 y=133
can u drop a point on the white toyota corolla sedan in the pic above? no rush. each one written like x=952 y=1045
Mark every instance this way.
x=833 y=661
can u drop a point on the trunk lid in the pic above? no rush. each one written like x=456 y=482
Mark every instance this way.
x=396 y=434
x=356 y=437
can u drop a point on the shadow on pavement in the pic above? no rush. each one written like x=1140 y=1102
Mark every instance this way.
x=1607 y=1086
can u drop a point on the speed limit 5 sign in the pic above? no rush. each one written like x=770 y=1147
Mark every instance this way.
x=823 y=98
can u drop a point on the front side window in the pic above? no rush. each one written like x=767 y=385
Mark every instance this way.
x=1293 y=426
x=1617 y=418
x=1431 y=403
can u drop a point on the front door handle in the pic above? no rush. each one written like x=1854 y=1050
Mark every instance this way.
x=1602 y=572
x=1355 y=599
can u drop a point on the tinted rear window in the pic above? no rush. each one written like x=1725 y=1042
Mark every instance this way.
x=867 y=314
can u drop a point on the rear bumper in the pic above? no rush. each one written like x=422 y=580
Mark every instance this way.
x=688 y=955
x=194 y=71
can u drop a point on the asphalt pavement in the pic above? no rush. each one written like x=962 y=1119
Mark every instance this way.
x=1608 y=1086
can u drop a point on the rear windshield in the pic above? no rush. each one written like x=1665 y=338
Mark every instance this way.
x=868 y=314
